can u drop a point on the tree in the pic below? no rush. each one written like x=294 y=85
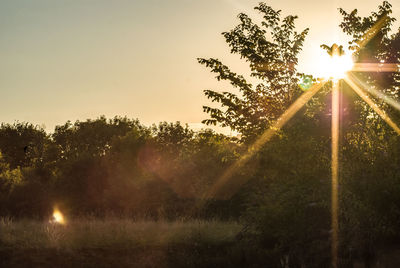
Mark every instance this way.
x=82 y=160
x=290 y=206
x=272 y=62
x=90 y=137
x=370 y=157
x=22 y=144
x=373 y=43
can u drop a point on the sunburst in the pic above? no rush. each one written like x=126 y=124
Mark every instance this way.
x=338 y=65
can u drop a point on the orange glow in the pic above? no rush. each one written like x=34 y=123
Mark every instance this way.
x=58 y=217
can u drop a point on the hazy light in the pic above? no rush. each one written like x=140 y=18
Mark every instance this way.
x=58 y=217
x=334 y=66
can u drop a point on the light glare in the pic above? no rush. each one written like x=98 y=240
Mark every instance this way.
x=58 y=217
x=335 y=66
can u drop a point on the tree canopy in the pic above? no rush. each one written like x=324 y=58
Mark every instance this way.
x=271 y=50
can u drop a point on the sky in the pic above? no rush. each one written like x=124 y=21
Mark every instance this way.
x=76 y=59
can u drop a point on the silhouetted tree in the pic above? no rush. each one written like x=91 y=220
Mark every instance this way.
x=271 y=50
x=22 y=144
x=369 y=213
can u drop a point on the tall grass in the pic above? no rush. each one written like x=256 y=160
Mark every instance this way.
x=113 y=233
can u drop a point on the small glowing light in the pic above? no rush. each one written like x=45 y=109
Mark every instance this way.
x=334 y=66
x=58 y=217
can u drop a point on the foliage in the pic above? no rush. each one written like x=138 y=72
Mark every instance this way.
x=110 y=166
x=369 y=157
x=373 y=42
x=117 y=166
x=272 y=62
x=289 y=210
x=22 y=144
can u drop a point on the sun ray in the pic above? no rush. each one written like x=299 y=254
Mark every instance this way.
x=372 y=32
x=377 y=93
x=376 y=67
x=372 y=104
x=335 y=171
x=265 y=137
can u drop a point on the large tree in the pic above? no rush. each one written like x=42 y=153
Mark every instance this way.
x=271 y=49
x=370 y=157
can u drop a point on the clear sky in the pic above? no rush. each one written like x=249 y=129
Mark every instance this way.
x=76 y=59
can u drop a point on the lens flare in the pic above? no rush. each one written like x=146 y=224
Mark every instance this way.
x=306 y=82
x=57 y=217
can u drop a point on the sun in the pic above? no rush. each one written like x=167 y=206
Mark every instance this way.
x=334 y=66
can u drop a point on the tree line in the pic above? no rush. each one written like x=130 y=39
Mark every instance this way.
x=109 y=166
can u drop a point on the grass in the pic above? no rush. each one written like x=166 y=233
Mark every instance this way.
x=116 y=242
x=120 y=233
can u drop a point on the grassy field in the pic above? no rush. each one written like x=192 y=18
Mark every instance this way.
x=117 y=243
